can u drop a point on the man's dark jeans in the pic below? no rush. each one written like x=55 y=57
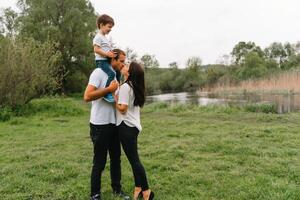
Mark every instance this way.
x=105 y=138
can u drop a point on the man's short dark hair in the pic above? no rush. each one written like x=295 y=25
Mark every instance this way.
x=118 y=52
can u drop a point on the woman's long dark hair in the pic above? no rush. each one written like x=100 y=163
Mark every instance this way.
x=136 y=80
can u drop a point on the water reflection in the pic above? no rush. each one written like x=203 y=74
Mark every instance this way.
x=284 y=102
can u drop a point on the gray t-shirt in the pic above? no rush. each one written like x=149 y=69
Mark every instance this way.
x=104 y=42
x=132 y=116
x=102 y=112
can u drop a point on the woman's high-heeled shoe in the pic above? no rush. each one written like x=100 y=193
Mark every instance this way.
x=140 y=195
x=151 y=195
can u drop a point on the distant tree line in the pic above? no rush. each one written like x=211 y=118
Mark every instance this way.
x=46 y=48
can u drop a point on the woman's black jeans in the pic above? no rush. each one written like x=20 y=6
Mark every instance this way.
x=128 y=137
x=105 y=138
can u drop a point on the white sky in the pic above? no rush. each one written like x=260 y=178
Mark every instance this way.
x=174 y=30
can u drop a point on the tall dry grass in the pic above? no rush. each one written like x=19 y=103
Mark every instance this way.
x=283 y=82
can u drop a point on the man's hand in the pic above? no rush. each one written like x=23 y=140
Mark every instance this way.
x=113 y=86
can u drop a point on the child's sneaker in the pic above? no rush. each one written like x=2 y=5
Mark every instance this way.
x=109 y=98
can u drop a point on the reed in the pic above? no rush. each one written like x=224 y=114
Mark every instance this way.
x=284 y=82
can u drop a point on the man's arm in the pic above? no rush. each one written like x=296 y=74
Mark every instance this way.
x=92 y=93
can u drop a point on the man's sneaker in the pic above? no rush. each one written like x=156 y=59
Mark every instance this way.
x=96 y=197
x=121 y=194
x=109 y=98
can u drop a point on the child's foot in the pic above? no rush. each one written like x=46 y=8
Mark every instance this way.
x=109 y=98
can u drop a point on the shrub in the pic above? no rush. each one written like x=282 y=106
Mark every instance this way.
x=27 y=70
x=264 y=108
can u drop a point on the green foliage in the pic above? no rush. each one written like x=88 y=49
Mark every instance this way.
x=240 y=51
x=76 y=82
x=9 y=22
x=131 y=55
x=194 y=64
x=264 y=108
x=68 y=23
x=54 y=107
x=27 y=70
x=293 y=62
x=149 y=61
x=281 y=53
x=253 y=67
x=5 y=114
x=214 y=73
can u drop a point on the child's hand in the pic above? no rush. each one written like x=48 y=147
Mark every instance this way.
x=110 y=54
x=113 y=86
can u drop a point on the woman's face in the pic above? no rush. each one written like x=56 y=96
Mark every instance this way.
x=125 y=70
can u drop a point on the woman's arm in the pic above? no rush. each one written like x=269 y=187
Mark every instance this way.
x=120 y=107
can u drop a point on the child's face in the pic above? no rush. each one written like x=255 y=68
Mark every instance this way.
x=105 y=29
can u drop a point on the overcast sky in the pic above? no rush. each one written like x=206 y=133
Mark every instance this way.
x=174 y=30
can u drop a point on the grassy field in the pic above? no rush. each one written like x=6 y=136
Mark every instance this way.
x=190 y=153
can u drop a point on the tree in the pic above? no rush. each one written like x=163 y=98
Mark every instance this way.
x=297 y=48
x=131 y=55
x=194 y=64
x=254 y=66
x=173 y=65
x=280 y=52
x=149 y=61
x=240 y=51
x=9 y=22
x=68 y=23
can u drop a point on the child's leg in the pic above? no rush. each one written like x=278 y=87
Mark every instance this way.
x=106 y=67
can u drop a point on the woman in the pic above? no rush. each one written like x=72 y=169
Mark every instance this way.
x=130 y=98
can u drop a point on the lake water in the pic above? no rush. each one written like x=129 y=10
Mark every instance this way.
x=283 y=102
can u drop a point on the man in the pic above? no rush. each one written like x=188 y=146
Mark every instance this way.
x=103 y=130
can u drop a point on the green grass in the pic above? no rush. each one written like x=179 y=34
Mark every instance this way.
x=189 y=153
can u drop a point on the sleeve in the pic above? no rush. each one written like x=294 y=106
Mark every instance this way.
x=97 y=40
x=124 y=94
x=95 y=78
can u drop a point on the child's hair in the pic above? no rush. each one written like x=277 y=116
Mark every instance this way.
x=136 y=81
x=105 y=19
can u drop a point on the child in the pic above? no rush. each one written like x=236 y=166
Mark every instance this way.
x=103 y=47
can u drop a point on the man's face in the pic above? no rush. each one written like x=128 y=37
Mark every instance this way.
x=118 y=64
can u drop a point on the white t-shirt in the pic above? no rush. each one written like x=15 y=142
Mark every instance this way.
x=102 y=112
x=104 y=42
x=132 y=116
